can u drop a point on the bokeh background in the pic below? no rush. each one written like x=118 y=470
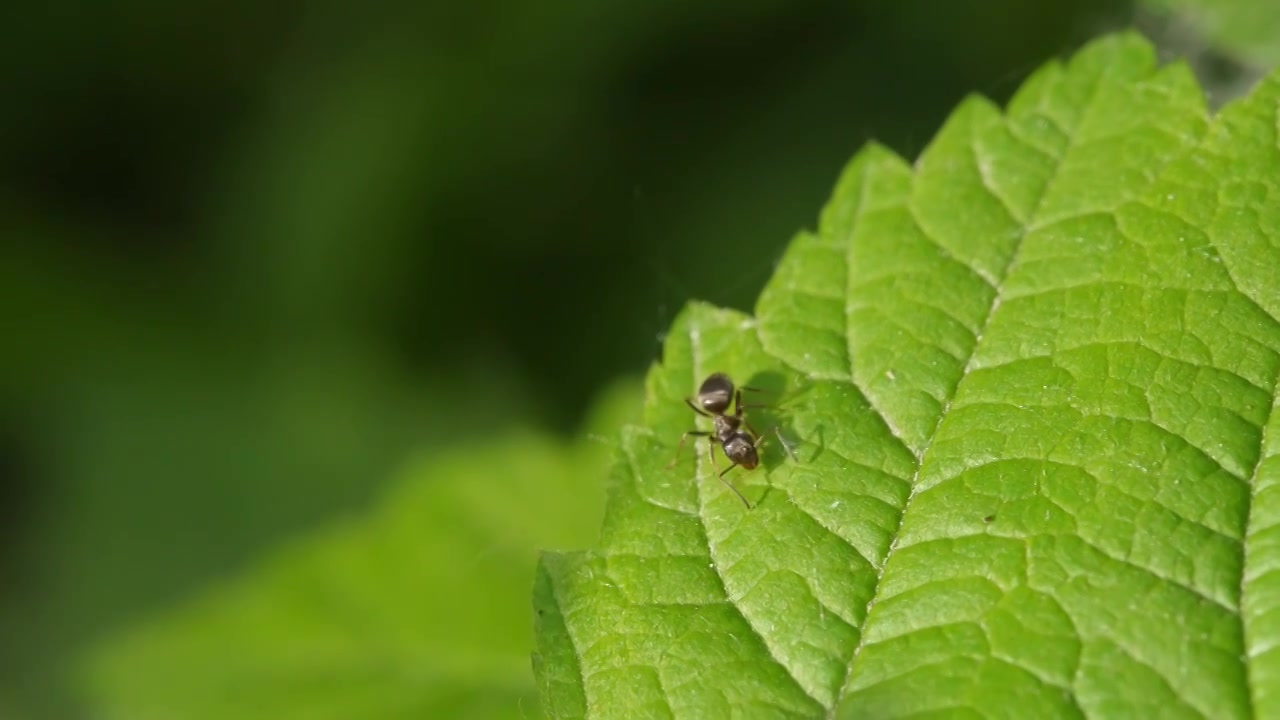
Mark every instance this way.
x=253 y=255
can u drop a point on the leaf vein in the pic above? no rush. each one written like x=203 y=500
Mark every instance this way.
x=994 y=306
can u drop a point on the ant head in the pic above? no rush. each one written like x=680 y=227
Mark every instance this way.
x=715 y=393
x=742 y=450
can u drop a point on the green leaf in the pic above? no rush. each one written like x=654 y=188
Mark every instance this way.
x=1031 y=383
x=419 y=609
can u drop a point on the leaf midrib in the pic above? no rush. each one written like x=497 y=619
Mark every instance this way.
x=1027 y=226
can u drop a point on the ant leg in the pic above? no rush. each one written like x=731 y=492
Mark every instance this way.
x=759 y=437
x=731 y=487
x=680 y=447
x=781 y=441
x=711 y=454
x=739 y=406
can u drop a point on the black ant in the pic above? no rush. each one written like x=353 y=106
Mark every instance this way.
x=739 y=445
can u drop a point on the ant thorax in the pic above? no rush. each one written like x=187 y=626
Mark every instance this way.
x=726 y=426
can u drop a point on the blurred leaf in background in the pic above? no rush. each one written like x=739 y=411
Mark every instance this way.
x=1229 y=44
x=257 y=255
x=416 y=609
x=1245 y=29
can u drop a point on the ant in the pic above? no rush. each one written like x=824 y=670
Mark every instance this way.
x=739 y=445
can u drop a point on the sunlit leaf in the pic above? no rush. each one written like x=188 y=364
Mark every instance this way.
x=1030 y=380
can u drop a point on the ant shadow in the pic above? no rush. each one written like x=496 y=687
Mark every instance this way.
x=766 y=411
x=820 y=444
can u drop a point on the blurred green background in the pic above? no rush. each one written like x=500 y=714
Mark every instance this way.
x=255 y=255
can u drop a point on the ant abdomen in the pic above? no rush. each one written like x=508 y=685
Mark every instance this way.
x=715 y=393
